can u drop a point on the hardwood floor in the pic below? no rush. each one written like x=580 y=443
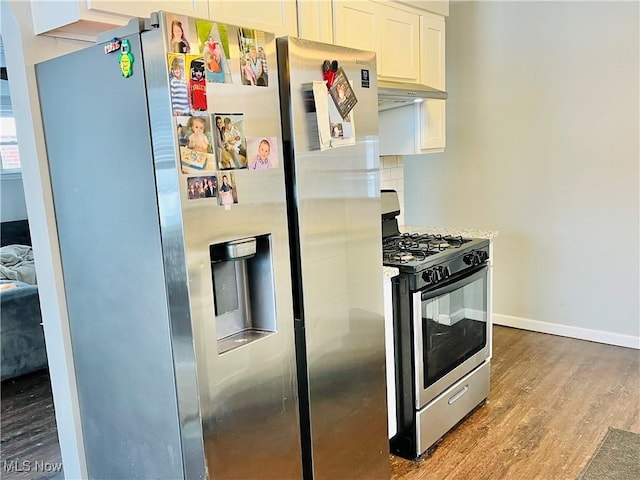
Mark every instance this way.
x=551 y=402
x=29 y=437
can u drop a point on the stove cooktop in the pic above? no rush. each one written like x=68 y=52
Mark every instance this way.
x=409 y=247
x=413 y=252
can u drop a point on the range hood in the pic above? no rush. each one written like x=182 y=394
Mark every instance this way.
x=398 y=94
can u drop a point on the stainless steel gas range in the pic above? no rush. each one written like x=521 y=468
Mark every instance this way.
x=442 y=330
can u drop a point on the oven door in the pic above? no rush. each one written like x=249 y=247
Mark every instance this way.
x=451 y=333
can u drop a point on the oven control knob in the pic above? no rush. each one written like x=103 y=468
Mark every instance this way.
x=446 y=273
x=430 y=276
x=483 y=256
x=437 y=274
x=468 y=258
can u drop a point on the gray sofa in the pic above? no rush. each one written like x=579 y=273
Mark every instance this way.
x=21 y=334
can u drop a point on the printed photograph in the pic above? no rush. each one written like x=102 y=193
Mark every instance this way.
x=227 y=191
x=263 y=152
x=230 y=142
x=178 y=85
x=196 y=144
x=213 y=41
x=178 y=28
x=202 y=187
x=197 y=84
x=342 y=94
x=253 y=59
x=336 y=130
x=199 y=134
x=196 y=162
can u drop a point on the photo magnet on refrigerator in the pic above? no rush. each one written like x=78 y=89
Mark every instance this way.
x=343 y=95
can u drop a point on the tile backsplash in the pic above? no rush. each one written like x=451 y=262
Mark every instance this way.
x=392 y=177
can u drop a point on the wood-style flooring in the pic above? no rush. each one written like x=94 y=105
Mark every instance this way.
x=551 y=402
x=29 y=446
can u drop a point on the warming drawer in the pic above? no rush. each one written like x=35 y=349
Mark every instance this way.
x=439 y=416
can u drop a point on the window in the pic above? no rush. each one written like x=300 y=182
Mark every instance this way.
x=8 y=139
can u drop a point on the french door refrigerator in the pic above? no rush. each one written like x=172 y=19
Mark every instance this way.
x=222 y=274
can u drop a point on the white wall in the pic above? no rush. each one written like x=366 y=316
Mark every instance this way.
x=543 y=145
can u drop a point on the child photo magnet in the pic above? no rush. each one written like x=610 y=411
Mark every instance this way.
x=197 y=84
x=342 y=94
x=178 y=85
x=263 y=152
x=196 y=145
x=253 y=59
x=213 y=41
x=178 y=27
x=227 y=191
x=202 y=187
x=231 y=144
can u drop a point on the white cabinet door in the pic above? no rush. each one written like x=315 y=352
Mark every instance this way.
x=392 y=33
x=432 y=113
x=399 y=48
x=439 y=7
x=275 y=16
x=433 y=51
x=314 y=20
x=144 y=8
x=85 y=19
x=356 y=25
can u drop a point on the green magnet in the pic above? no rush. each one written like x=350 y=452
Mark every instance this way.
x=126 y=59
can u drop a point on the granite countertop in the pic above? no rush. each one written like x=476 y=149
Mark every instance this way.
x=454 y=232
x=390 y=272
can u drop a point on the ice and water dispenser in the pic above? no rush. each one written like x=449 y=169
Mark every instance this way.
x=244 y=291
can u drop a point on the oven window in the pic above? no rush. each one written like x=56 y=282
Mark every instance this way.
x=454 y=328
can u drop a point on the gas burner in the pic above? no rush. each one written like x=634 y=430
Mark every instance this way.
x=417 y=248
x=404 y=248
x=398 y=257
x=440 y=242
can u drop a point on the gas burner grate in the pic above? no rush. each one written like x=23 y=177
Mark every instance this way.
x=412 y=247
x=439 y=242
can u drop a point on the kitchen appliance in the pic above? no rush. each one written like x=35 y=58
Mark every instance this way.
x=442 y=332
x=334 y=208
x=179 y=259
x=399 y=94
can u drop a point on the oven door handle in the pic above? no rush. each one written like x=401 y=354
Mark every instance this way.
x=455 y=284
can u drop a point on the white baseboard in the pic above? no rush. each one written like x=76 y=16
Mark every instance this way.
x=567 y=331
x=452 y=319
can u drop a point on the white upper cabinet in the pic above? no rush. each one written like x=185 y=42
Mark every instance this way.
x=423 y=131
x=439 y=7
x=357 y=25
x=399 y=45
x=433 y=51
x=392 y=33
x=315 y=20
x=85 y=19
x=275 y=16
x=142 y=8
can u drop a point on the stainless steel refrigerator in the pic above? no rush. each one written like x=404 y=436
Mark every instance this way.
x=222 y=270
